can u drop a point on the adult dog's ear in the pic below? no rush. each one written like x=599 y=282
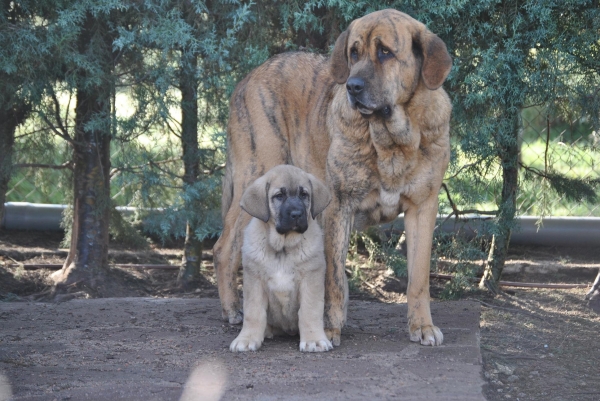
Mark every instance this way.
x=339 y=59
x=320 y=196
x=255 y=199
x=436 y=59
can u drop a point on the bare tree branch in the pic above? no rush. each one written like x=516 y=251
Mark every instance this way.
x=118 y=170
x=57 y=111
x=456 y=212
x=53 y=128
x=67 y=165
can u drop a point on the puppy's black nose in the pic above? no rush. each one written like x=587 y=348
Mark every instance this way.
x=355 y=85
x=296 y=214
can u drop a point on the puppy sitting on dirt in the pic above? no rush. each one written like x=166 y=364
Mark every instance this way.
x=284 y=260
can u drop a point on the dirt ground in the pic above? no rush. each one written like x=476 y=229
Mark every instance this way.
x=536 y=344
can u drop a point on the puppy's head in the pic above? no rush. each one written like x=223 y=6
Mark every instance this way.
x=285 y=196
x=383 y=56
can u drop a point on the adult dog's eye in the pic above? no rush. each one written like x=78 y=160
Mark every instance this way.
x=304 y=195
x=279 y=196
x=353 y=54
x=384 y=53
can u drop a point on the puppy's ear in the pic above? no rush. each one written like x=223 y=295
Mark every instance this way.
x=436 y=59
x=255 y=199
x=339 y=59
x=320 y=196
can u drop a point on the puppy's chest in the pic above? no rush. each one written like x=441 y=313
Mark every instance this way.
x=281 y=279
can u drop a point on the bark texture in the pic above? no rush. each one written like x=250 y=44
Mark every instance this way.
x=87 y=262
x=189 y=272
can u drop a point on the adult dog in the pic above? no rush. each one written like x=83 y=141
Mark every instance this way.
x=284 y=260
x=373 y=122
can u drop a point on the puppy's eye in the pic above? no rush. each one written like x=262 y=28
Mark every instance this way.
x=304 y=195
x=279 y=196
x=354 y=54
x=384 y=53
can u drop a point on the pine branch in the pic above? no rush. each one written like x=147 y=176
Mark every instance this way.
x=572 y=188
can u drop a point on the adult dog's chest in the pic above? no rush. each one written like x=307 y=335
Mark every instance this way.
x=402 y=178
x=377 y=180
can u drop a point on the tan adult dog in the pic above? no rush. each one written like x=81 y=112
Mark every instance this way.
x=284 y=260
x=373 y=122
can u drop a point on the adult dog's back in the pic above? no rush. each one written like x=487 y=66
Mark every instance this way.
x=278 y=115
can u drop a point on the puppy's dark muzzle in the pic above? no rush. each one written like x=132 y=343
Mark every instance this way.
x=292 y=217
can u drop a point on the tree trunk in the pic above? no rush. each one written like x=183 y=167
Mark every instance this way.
x=189 y=272
x=10 y=119
x=87 y=261
x=509 y=157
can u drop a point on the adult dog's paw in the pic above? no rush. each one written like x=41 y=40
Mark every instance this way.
x=316 y=346
x=427 y=335
x=335 y=336
x=233 y=317
x=245 y=343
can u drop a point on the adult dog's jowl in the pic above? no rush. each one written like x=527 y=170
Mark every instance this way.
x=372 y=121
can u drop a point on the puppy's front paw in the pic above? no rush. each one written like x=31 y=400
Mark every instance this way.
x=316 y=346
x=427 y=335
x=245 y=343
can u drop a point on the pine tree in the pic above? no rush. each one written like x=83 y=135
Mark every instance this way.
x=20 y=45
x=90 y=65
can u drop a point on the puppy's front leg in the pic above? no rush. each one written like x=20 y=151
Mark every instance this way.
x=310 y=315
x=255 y=315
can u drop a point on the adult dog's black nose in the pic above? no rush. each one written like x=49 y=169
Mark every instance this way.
x=355 y=85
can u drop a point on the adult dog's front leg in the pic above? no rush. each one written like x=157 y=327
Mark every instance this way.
x=337 y=225
x=419 y=222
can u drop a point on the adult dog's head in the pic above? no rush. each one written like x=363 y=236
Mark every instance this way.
x=285 y=196
x=383 y=56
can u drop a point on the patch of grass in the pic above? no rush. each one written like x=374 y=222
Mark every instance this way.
x=393 y=257
x=353 y=263
x=480 y=188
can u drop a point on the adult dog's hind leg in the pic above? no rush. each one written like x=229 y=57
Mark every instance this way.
x=227 y=254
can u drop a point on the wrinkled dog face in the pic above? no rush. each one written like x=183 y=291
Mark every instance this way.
x=289 y=203
x=285 y=196
x=381 y=58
